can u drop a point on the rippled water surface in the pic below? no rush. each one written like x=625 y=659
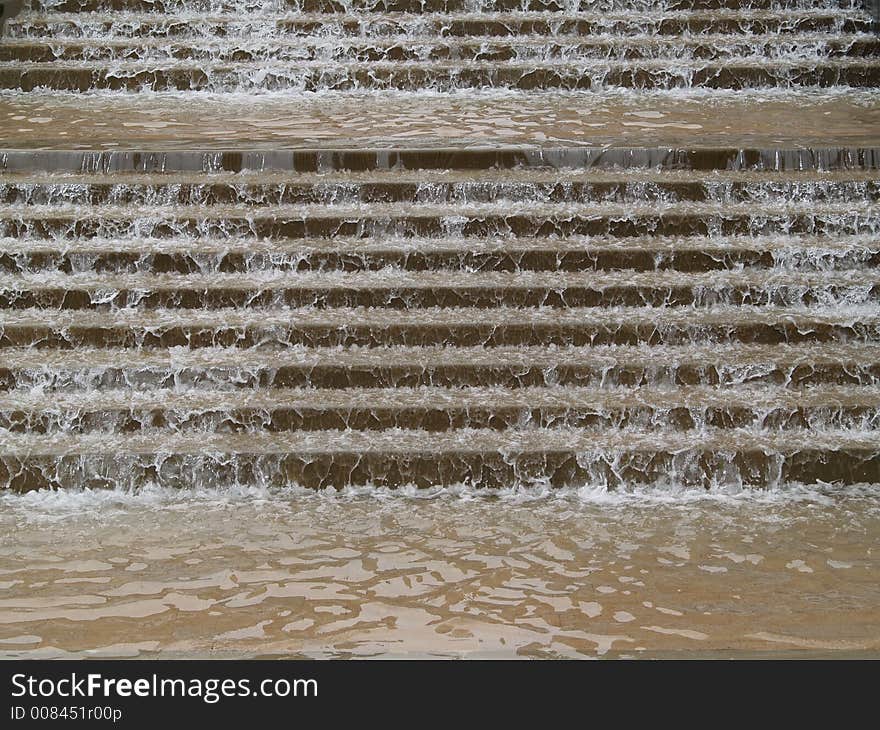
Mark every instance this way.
x=458 y=572
x=764 y=118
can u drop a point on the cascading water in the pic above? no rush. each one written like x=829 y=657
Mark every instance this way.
x=453 y=46
x=544 y=289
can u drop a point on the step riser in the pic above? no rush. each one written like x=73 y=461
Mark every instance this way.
x=429 y=192
x=612 y=469
x=523 y=376
x=463 y=336
x=636 y=260
x=526 y=79
x=773 y=159
x=661 y=225
x=433 y=420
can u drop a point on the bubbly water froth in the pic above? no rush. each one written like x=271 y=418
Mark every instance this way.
x=329 y=255
x=472 y=47
x=100 y=503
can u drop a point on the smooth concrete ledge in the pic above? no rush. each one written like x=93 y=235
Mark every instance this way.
x=472 y=158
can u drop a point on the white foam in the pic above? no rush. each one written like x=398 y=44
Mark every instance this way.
x=802 y=95
x=64 y=503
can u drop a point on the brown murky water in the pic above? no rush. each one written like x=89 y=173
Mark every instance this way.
x=169 y=121
x=518 y=574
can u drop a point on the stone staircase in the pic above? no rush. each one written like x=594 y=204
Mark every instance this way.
x=441 y=45
x=433 y=315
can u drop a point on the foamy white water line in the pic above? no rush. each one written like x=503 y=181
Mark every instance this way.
x=509 y=442
x=584 y=66
x=194 y=98
x=101 y=504
x=723 y=355
x=533 y=209
x=787 y=247
x=839 y=314
x=393 y=277
x=695 y=398
x=790 y=40
x=184 y=16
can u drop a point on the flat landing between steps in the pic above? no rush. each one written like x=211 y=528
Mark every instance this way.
x=72 y=121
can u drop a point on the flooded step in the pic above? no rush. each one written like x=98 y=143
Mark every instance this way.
x=471 y=158
x=436 y=409
x=413 y=76
x=600 y=366
x=371 y=327
x=452 y=187
x=426 y=209
x=394 y=288
x=433 y=25
x=480 y=457
x=227 y=256
x=491 y=219
x=574 y=48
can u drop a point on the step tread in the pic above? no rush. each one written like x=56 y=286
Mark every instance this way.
x=508 y=442
x=396 y=278
x=728 y=355
x=501 y=208
x=564 y=398
x=372 y=317
x=525 y=40
x=863 y=243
